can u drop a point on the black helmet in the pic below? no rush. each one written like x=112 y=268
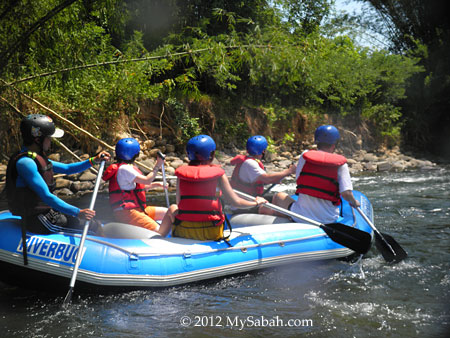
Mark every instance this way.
x=37 y=125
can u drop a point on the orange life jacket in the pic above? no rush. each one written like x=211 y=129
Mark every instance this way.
x=199 y=198
x=125 y=199
x=256 y=188
x=23 y=201
x=319 y=175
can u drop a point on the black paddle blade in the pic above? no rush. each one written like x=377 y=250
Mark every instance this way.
x=352 y=238
x=391 y=251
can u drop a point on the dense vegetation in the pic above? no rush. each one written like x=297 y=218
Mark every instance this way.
x=193 y=66
x=422 y=29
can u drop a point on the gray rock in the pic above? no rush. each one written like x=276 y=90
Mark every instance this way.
x=284 y=164
x=370 y=166
x=357 y=167
x=370 y=158
x=87 y=176
x=63 y=183
x=175 y=164
x=82 y=186
x=384 y=166
x=63 y=192
x=55 y=157
x=398 y=166
x=170 y=170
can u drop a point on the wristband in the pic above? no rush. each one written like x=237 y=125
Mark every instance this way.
x=91 y=161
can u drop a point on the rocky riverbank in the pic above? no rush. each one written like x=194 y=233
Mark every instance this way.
x=359 y=161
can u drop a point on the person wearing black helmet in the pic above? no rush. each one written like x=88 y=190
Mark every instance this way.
x=322 y=179
x=30 y=181
x=198 y=213
x=249 y=174
x=127 y=186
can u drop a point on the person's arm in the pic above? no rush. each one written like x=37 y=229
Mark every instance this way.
x=78 y=167
x=277 y=176
x=148 y=179
x=346 y=186
x=28 y=172
x=348 y=196
x=233 y=199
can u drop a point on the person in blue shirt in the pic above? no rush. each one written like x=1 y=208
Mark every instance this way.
x=30 y=181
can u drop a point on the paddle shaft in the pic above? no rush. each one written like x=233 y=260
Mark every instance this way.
x=352 y=238
x=375 y=230
x=85 y=231
x=279 y=209
x=268 y=189
x=160 y=154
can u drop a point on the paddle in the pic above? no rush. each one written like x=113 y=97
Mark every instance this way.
x=160 y=154
x=68 y=298
x=268 y=189
x=352 y=238
x=389 y=248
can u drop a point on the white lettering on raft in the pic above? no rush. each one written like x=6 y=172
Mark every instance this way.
x=50 y=249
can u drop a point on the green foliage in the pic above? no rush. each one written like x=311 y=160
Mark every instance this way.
x=187 y=125
x=246 y=53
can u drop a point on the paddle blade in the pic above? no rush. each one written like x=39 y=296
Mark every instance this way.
x=68 y=298
x=352 y=238
x=391 y=251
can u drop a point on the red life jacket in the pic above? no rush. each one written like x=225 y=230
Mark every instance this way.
x=319 y=175
x=256 y=188
x=199 y=199
x=125 y=199
x=23 y=201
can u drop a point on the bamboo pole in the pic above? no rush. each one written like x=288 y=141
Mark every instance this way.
x=148 y=58
x=70 y=123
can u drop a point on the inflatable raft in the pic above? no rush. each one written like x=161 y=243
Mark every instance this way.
x=132 y=257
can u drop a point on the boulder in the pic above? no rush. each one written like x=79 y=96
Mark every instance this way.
x=370 y=158
x=62 y=183
x=87 y=176
x=384 y=166
x=55 y=157
x=82 y=186
x=63 y=192
x=284 y=164
x=175 y=164
x=370 y=166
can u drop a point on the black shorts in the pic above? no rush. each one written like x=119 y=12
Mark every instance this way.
x=55 y=221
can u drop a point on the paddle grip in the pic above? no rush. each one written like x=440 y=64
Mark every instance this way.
x=160 y=154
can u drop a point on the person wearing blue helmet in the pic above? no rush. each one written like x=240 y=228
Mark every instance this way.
x=198 y=213
x=127 y=187
x=322 y=179
x=30 y=181
x=249 y=174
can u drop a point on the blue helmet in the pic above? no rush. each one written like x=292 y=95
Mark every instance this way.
x=200 y=148
x=256 y=145
x=326 y=134
x=127 y=149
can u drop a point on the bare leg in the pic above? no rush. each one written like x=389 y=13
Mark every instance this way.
x=160 y=212
x=168 y=220
x=282 y=200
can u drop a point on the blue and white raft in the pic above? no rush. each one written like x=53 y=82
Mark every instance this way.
x=132 y=257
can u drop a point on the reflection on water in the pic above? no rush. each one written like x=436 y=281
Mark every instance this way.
x=408 y=299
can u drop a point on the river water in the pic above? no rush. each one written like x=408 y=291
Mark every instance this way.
x=328 y=299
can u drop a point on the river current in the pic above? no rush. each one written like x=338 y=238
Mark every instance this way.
x=327 y=299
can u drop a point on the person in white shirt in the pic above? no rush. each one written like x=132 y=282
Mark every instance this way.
x=322 y=179
x=127 y=187
x=249 y=174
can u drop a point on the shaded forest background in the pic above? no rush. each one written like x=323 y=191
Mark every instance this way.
x=175 y=68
